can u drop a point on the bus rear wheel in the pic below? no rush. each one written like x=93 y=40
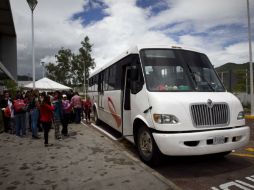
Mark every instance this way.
x=147 y=148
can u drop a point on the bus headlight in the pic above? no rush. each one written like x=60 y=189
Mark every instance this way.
x=165 y=119
x=240 y=115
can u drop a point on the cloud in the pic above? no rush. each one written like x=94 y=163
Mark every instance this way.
x=120 y=30
x=203 y=14
x=52 y=28
x=218 y=28
x=208 y=26
x=236 y=53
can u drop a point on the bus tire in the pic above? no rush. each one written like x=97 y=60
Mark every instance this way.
x=96 y=119
x=147 y=148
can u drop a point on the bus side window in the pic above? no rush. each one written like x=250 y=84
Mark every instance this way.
x=100 y=83
x=137 y=80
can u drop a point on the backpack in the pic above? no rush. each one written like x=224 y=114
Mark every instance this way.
x=19 y=105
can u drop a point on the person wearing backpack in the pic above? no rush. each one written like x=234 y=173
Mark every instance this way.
x=20 y=115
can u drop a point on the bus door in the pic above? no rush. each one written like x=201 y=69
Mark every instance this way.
x=126 y=103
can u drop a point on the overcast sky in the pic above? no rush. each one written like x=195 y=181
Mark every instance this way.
x=215 y=27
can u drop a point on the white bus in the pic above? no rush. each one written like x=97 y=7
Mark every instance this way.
x=168 y=100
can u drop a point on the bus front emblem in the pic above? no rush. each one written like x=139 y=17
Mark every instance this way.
x=209 y=103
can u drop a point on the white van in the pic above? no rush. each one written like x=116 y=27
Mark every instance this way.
x=168 y=100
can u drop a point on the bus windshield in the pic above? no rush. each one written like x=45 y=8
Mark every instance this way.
x=179 y=70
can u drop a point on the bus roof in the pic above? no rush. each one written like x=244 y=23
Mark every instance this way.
x=135 y=50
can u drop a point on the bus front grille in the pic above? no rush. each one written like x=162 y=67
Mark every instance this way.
x=204 y=116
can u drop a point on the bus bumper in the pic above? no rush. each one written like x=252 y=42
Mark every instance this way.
x=201 y=143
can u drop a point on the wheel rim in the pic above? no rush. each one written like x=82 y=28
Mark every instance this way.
x=145 y=143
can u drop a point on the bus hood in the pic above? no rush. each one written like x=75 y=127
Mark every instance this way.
x=178 y=104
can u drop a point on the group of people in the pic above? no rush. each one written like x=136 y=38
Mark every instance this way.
x=43 y=110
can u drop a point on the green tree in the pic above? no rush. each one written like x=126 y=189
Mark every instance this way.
x=240 y=85
x=11 y=86
x=83 y=62
x=61 y=72
x=64 y=60
x=51 y=71
x=70 y=68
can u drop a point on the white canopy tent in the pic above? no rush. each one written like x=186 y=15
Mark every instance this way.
x=47 y=85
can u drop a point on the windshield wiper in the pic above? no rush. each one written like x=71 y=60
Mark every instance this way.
x=193 y=76
x=201 y=76
x=204 y=79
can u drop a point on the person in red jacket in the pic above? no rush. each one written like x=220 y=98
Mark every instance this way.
x=46 y=116
x=87 y=105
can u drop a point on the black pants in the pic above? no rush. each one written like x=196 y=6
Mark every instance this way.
x=77 y=112
x=46 y=127
x=87 y=113
x=65 y=122
x=6 y=123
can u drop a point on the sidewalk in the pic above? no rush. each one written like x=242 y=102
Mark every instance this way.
x=85 y=160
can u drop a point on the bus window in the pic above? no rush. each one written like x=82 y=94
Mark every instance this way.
x=112 y=78
x=100 y=83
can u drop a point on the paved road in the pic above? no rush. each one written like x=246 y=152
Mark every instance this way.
x=85 y=160
x=235 y=171
x=90 y=160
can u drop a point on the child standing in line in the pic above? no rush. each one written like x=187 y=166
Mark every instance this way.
x=87 y=106
x=66 y=114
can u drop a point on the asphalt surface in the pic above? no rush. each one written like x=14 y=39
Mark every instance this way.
x=206 y=172
x=84 y=160
x=89 y=159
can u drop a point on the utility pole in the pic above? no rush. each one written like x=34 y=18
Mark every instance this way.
x=246 y=81
x=250 y=55
x=32 y=4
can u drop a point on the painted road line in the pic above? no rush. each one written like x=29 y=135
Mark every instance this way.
x=243 y=155
x=250 y=149
x=104 y=132
x=237 y=184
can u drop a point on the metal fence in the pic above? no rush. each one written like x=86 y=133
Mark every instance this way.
x=237 y=82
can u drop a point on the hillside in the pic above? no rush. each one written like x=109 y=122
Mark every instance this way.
x=234 y=75
x=24 y=78
x=232 y=66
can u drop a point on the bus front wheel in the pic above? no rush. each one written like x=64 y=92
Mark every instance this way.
x=147 y=148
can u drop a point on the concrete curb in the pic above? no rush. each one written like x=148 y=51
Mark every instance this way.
x=137 y=161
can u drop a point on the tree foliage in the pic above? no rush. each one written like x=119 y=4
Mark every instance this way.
x=11 y=86
x=85 y=61
x=70 y=68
